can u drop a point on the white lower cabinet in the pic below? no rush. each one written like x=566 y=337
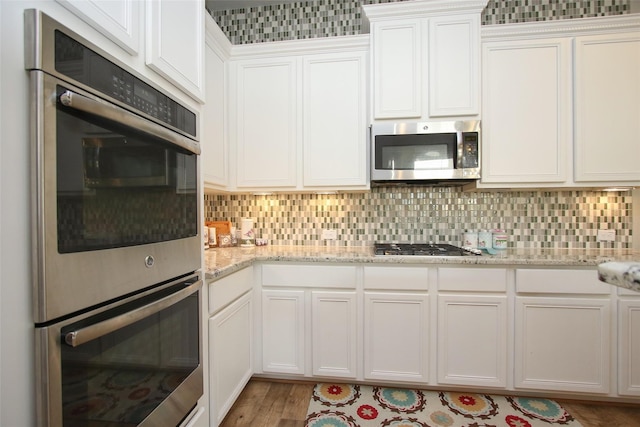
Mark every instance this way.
x=334 y=334
x=629 y=346
x=396 y=323
x=472 y=340
x=283 y=331
x=472 y=327
x=563 y=338
x=230 y=350
x=309 y=322
x=230 y=355
x=396 y=336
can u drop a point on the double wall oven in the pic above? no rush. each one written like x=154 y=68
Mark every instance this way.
x=116 y=245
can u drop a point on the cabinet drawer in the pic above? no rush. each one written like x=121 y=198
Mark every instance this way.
x=561 y=282
x=224 y=291
x=405 y=278
x=628 y=292
x=323 y=276
x=472 y=279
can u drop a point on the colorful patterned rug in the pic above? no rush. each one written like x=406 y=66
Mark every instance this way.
x=344 y=405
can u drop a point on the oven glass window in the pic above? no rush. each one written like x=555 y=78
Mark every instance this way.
x=117 y=187
x=415 y=152
x=118 y=379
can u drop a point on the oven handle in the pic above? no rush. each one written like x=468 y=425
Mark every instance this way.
x=112 y=112
x=90 y=333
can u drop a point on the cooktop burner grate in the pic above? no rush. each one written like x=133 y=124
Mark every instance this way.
x=420 y=249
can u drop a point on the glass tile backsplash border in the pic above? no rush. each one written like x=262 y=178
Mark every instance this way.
x=328 y=18
x=531 y=219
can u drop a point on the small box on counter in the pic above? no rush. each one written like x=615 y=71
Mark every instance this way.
x=220 y=228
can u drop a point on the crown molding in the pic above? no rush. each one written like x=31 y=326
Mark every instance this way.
x=301 y=47
x=421 y=8
x=562 y=27
x=216 y=39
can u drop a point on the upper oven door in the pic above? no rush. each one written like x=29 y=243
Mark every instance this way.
x=115 y=200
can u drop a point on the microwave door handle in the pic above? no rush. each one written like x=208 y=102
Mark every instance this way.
x=112 y=112
x=90 y=333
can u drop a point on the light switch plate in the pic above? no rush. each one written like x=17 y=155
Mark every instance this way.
x=329 y=234
x=606 y=235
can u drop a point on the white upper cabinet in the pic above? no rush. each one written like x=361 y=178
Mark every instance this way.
x=454 y=65
x=526 y=109
x=117 y=20
x=266 y=131
x=397 y=69
x=425 y=59
x=560 y=103
x=174 y=35
x=175 y=43
x=215 y=157
x=334 y=120
x=607 y=84
x=298 y=115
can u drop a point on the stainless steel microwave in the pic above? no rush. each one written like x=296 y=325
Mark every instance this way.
x=425 y=152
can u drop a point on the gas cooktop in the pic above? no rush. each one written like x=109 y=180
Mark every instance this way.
x=422 y=249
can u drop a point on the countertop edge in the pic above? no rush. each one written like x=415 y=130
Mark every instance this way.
x=621 y=274
x=221 y=262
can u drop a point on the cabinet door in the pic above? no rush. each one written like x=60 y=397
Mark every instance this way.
x=334 y=120
x=629 y=347
x=230 y=354
x=117 y=20
x=214 y=145
x=397 y=68
x=283 y=325
x=472 y=340
x=396 y=336
x=175 y=43
x=454 y=65
x=266 y=123
x=526 y=108
x=563 y=344
x=333 y=331
x=607 y=70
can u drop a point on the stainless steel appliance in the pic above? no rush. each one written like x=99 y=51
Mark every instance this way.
x=422 y=249
x=116 y=243
x=425 y=152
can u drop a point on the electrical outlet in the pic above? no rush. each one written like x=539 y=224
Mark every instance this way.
x=606 y=235
x=329 y=234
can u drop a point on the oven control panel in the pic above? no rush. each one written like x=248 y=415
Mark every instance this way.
x=82 y=64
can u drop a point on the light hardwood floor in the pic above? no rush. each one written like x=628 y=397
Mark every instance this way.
x=282 y=404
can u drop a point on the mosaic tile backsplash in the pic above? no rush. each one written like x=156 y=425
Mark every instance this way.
x=326 y=18
x=531 y=219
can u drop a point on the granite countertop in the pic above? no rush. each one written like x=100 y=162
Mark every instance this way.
x=220 y=262
x=622 y=274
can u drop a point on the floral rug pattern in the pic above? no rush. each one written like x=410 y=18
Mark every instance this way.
x=345 y=405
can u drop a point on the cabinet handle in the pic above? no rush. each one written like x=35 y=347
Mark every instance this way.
x=90 y=333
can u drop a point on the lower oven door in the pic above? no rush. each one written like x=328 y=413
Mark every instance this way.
x=135 y=364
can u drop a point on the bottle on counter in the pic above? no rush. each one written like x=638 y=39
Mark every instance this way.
x=485 y=239
x=234 y=235
x=470 y=239
x=499 y=239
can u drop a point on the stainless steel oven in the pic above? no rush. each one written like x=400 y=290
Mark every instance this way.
x=137 y=362
x=116 y=239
